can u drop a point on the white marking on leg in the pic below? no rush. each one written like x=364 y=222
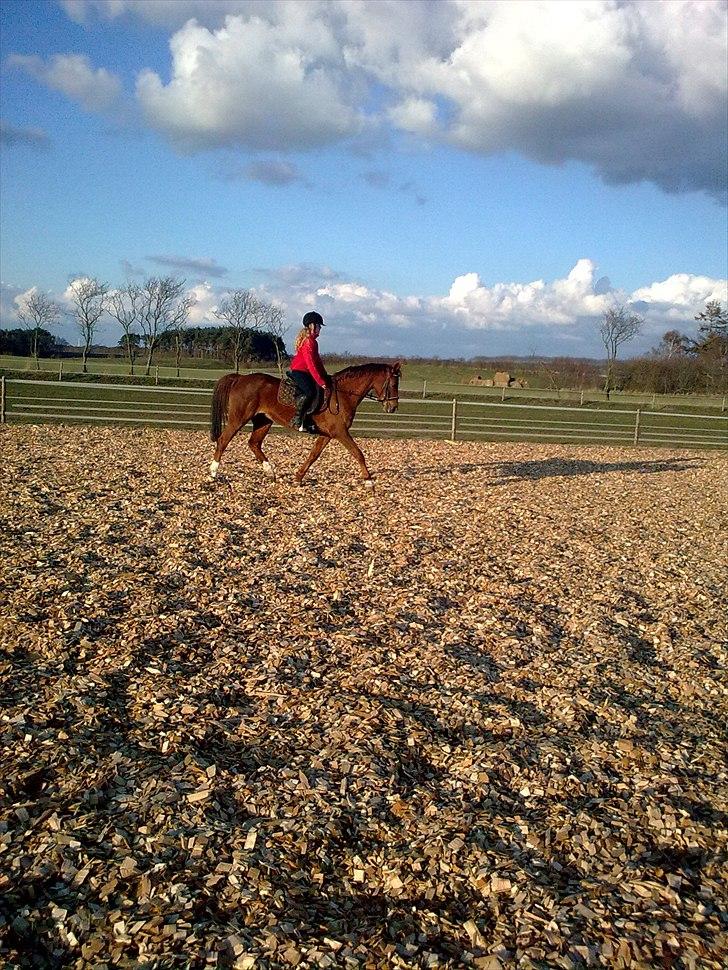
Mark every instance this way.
x=214 y=465
x=269 y=470
x=368 y=483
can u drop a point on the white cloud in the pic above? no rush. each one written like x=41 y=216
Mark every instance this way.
x=621 y=87
x=73 y=75
x=416 y=115
x=252 y=83
x=683 y=290
x=20 y=301
x=206 y=299
x=636 y=90
x=562 y=313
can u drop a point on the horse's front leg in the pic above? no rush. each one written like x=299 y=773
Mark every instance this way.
x=353 y=448
x=318 y=446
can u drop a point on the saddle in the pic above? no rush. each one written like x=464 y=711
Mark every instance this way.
x=288 y=392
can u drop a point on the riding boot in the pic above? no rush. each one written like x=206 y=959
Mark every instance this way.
x=298 y=418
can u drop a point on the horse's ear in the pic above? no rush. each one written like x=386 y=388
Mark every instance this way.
x=397 y=368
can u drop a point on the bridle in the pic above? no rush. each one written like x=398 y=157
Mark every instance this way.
x=386 y=396
x=370 y=395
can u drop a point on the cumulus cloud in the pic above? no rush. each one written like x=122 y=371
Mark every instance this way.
x=627 y=88
x=13 y=137
x=73 y=75
x=638 y=91
x=202 y=267
x=251 y=83
x=561 y=315
x=206 y=298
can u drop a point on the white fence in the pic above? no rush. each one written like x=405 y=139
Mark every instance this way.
x=120 y=404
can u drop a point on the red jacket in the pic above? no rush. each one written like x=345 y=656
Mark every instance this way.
x=307 y=359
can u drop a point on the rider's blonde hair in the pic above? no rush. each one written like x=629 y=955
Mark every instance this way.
x=301 y=336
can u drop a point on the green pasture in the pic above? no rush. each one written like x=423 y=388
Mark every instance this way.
x=65 y=402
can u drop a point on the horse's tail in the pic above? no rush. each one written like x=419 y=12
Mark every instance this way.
x=218 y=411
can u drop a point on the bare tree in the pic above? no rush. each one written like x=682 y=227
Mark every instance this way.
x=617 y=327
x=38 y=313
x=178 y=325
x=673 y=344
x=274 y=323
x=160 y=296
x=89 y=298
x=240 y=311
x=124 y=307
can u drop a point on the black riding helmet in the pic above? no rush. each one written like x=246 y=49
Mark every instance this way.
x=312 y=318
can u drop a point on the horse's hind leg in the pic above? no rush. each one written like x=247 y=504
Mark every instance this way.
x=261 y=426
x=234 y=423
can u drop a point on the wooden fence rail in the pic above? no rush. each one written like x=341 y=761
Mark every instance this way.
x=115 y=404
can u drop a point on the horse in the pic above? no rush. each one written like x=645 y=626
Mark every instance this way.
x=239 y=398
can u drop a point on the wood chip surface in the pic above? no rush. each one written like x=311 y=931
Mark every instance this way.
x=473 y=720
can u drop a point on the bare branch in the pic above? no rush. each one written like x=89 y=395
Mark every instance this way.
x=89 y=298
x=37 y=313
x=159 y=300
x=124 y=307
x=617 y=327
x=240 y=311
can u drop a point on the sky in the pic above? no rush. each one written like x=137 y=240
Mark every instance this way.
x=449 y=178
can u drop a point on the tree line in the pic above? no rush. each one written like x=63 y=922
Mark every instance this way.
x=679 y=364
x=153 y=315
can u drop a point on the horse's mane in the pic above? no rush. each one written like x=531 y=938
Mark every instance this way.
x=358 y=370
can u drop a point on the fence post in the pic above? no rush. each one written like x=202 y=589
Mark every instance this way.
x=453 y=424
x=156 y=374
x=581 y=399
x=722 y=406
x=637 y=427
x=424 y=389
x=2 y=399
x=60 y=370
x=503 y=393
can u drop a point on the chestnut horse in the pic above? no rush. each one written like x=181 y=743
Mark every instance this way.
x=239 y=398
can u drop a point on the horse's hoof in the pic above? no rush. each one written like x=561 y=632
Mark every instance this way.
x=369 y=484
x=269 y=470
x=214 y=465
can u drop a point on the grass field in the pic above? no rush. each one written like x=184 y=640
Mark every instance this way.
x=428 y=379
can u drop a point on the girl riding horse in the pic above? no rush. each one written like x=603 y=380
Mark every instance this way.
x=308 y=372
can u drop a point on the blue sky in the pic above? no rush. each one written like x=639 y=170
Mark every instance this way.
x=450 y=178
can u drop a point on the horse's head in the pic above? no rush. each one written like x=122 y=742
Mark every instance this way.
x=386 y=386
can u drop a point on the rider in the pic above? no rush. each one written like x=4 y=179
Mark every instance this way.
x=307 y=371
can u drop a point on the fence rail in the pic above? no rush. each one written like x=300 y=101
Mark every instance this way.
x=421 y=387
x=113 y=404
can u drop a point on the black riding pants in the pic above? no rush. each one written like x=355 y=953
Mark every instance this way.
x=307 y=397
